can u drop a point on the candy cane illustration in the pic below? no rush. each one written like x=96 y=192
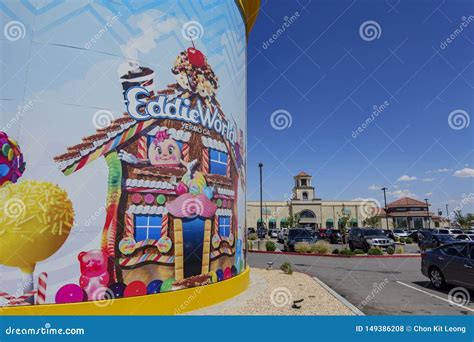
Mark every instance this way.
x=164 y=225
x=41 y=297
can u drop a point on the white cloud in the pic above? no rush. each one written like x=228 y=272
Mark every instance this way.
x=428 y=193
x=464 y=173
x=375 y=187
x=441 y=170
x=401 y=193
x=406 y=178
x=428 y=180
x=152 y=24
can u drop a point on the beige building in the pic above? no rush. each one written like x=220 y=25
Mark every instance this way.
x=309 y=210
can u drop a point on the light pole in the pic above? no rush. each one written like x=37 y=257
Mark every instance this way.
x=260 y=165
x=428 y=213
x=384 y=189
x=447 y=211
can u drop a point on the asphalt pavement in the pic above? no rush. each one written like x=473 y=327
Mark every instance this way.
x=377 y=286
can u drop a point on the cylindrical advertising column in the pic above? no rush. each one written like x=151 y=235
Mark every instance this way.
x=122 y=154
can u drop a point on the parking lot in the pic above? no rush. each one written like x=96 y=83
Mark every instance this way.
x=377 y=286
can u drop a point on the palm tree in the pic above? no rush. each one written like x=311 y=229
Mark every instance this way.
x=464 y=221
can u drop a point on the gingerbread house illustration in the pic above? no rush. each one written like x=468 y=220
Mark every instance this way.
x=172 y=186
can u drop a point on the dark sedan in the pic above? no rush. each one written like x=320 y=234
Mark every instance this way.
x=296 y=235
x=435 y=240
x=450 y=264
x=334 y=236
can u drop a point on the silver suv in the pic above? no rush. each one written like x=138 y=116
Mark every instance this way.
x=365 y=238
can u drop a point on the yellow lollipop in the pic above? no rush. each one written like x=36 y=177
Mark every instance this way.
x=35 y=220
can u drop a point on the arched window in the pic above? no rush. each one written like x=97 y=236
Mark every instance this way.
x=305 y=195
x=307 y=214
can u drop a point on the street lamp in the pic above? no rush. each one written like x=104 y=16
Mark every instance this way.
x=260 y=165
x=447 y=211
x=428 y=213
x=384 y=189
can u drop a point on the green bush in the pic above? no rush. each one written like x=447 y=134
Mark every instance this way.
x=390 y=250
x=375 y=251
x=409 y=240
x=286 y=268
x=396 y=239
x=335 y=251
x=270 y=246
x=403 y=240
x=320 y=247
x=359 y=251
x=252 y=236
x=303 y=247
x=346 y=251
x=399 y=250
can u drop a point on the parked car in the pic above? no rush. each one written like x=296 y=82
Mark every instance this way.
x=251 y=230
x=435 y=240
x=450 y=264
x=333 y=236
x=273 y=233
x=365 y=238
x=400 y=233
x=282 y=235
x=296 y=235
x=469 y=231
x=456 y=231
x=321 y=232
x=389 y=233
x=465 y=237
x=261 y=232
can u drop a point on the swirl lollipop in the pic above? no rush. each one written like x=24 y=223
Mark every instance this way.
x=12 y=165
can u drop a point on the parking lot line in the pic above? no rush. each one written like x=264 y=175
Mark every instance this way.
x=435 y=296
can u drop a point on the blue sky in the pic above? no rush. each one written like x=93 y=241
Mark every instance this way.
x=321 y=71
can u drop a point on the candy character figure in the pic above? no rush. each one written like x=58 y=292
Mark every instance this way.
x=94 y=276
x=163 y=152
x=12 y=165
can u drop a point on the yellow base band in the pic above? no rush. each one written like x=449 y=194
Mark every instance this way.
x=168 y=303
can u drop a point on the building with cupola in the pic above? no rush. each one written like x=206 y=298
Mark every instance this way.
x=306 y=209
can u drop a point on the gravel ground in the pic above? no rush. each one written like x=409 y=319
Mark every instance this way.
x=273 y=292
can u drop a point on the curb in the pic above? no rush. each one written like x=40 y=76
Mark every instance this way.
x=336 y=295
x=394 y=256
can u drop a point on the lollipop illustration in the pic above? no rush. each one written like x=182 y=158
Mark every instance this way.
x=12 y=165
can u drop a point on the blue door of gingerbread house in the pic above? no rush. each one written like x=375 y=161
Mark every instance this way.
x=193 y=238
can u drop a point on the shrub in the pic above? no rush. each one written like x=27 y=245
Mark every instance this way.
x=286 y=268
x=270 y=246
x=399 y=250
x=409 y=240
x=396 y=239
x=335 y=251
x=303 y=247
x=402 y=240
x=346 y=251
x=375 y=251
x=390 y=250
x=359 y=251
x=320 y=247
x=252 y=236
